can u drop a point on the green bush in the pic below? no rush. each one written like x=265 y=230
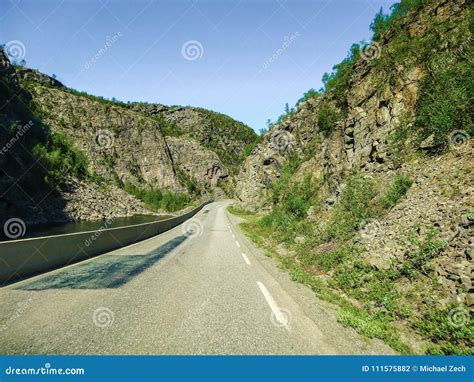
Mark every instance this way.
x=60 y=158
x=327 y=261
x=155 y=199
x=327 y=117
x=450 y=337
x=310 y=94
x=398 y=188
x=427 y=250
x=353 y=206
x=446 y=103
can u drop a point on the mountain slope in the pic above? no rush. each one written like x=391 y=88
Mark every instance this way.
x=90 y=152
x=367 y=185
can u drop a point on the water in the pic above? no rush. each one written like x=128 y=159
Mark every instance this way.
x=83 y=226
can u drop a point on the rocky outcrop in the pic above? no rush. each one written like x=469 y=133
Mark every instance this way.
x=85 y=201
x=122 y=143
x=361 y=139
x=119 y=143
x=213 y=131
x=197 y=162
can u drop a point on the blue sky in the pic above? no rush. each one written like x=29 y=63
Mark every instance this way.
x=136 y=50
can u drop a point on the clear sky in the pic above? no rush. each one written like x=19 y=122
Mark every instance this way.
x=211 y=53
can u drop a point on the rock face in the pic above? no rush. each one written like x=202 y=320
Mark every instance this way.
x=131 y=143
x=119 y=143
x=441 y=196
x=85 y=201
x=123 y=143
x=361 y=140
x=200 y=163
x=213 y=131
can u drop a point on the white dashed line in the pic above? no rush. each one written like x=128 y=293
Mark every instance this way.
x=246 y=259
x=233 y=236
x=236 y=242
x=279 y=316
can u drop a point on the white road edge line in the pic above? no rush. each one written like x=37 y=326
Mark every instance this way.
x=236 y=242
x=246 y=258
x=279 y=316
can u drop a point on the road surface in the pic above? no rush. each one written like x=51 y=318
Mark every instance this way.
x=200 y=288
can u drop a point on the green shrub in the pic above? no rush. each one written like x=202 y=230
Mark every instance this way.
x=327 y=117
x=451 y=337
x=353 y=206
x=60 y=158
x=398 y=188
x=191 y=184
x=155 y=199
x=446 y=103
x=327 y=261
x=427 y=250
x=310 y=94
x=169 y=128
x=337 y=82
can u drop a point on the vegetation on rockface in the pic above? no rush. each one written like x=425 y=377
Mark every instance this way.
x=443 y=52
x=217 y=125
x=156 y=200
x=58 y=158
x=49 y=156
x=333 y=249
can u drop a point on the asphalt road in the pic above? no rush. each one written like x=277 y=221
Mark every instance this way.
x=200 y=288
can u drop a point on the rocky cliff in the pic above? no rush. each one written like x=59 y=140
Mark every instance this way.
x=87 y=148
x=376 y=104
x=368 y=185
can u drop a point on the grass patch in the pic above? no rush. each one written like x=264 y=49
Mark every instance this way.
x=398 y=188
x=155 y=199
